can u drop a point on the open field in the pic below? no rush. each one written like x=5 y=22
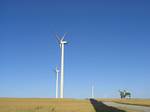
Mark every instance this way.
x=54 y=105
x=140 y=102
x=44 y=105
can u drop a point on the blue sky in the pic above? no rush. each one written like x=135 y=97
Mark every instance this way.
x=108 y=46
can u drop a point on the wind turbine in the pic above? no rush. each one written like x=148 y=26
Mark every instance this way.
x=62 y=42
x=57 y=72
x=92 y=91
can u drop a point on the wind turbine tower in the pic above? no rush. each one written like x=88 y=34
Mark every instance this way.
x=92 y=92
x=57 y=73
x=62 y=42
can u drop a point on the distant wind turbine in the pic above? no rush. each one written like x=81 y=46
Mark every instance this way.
x=92 y=91
x=62 y=42
x=57 y=73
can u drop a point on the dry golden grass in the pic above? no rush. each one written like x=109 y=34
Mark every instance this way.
x=140 y=102
x=44 y=105
x=52 y=105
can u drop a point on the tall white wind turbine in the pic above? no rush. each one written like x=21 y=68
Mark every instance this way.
x=62 y=42
x=92 y=91
x=57 y=74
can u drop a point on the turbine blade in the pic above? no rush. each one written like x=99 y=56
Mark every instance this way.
x=58 y=38
x=54 y=70
x=63 y=36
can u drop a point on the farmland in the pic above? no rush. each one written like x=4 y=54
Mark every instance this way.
x=55 y=105
x=43 y=105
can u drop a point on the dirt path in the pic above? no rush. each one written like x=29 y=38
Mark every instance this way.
x=132 y=107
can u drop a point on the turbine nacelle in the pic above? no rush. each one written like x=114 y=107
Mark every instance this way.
x=61 y=40
x=56 y=70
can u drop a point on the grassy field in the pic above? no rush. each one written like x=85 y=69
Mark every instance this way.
x=140 y=102
x=44 y=105
x=54 y=105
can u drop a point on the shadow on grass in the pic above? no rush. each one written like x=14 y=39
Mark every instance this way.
x=101 y=107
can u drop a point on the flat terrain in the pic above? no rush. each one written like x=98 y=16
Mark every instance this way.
x=139 y=102
x=131 y=107
x=56 y=105
x=44 y=105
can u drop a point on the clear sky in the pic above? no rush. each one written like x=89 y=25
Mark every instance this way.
x=108 y=46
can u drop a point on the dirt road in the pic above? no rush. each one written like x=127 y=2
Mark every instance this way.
x=132 y=107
